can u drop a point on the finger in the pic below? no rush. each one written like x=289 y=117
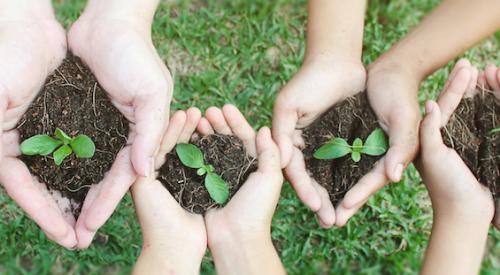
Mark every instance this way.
x=20 y=186
x=193 y=116
x=216 y=118
x=3 y=108
x=10 y=143
x=451 y=97
x=403 y=140
x=461 y=64
x=473 y=80
x=112 y=189
x=284 y=122
x=492 y=75
x=171 y=136
x=204 y=127
x=344 y=214
x=268 y=152
x=430 y=134
x=301 y=181
x=240 y=127
x=361 y=192
x=326 y=214
x=150 y=114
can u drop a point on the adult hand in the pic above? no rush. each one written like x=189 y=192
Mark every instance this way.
x=113 y=39
x=239 y=234
x=173 y=239
x=32 y=45
x=317 y=86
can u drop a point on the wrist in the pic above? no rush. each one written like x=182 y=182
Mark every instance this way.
x=395 y=61
x=135 y=11
x=26 y=10
x=155 y=261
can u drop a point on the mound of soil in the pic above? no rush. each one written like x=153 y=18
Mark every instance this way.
x=72 y=100
x=228 y=156
x=469 y=133
x=350 y=119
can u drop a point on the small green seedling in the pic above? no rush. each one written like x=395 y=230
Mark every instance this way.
x=62 y=146
x=495 y=130
x=192 y=157
x=375 y=145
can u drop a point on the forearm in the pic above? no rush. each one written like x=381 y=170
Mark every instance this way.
x=160 y=261
x=456 y=246
x=10 y=9
x=141 y=9
x=335 y=29
x=241 y=257
x=448 y=31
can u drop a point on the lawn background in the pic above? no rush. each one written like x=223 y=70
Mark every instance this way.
x=242 y=52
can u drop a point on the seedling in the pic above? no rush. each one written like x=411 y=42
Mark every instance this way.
x=192 y=157
x=495 y=130
x=62 y=146
x=375 y=145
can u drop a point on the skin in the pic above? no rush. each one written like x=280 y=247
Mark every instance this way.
x=238 y=235
x=113 y=38
x=32 y=45
x=332 y=71
x=463 y=208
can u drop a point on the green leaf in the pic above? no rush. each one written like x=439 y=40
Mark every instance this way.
x=61 y=153
x=356 y=156
x=201 y=171
x=357 y=145
x=210 y=168
x=190 y=155
x=496 y=130
x=376 y=143
x=61 y=135
x=217 y=188
x=39 y=145
x=336 y=148
x=83 y=146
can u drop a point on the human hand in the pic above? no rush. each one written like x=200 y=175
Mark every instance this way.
x=392 y=91
x=113 y=39
x=317 y=86
x=463 y=208
x=32 y=45
x=173 y=239
x=239 y=234
x=454 y=191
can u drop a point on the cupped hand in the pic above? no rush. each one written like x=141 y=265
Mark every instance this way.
x=32 y=45
x=247 y=216
x=453 y=189
x=392 y=92
x=173 y=238
x=119 y=51
x=317 y=86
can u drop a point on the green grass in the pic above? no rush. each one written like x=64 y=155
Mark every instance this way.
x=243 y=52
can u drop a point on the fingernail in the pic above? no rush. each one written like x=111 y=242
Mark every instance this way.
x=398 y=172
x=428 y=107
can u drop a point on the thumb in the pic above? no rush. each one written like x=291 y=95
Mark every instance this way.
x=284 y=121
x=403 y=138
x=151 y=114
x=430 y=134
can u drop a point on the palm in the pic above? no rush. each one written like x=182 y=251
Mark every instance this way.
x=29 y=51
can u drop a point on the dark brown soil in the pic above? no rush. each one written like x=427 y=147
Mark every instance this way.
x=468 y=132
x=228 y=156
x=72 y=100
x=350 y=119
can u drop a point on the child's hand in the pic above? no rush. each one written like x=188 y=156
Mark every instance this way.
x=454 y=191
x=239 y=234
x=319 y=84
x=463 y=208
x=173 y=239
